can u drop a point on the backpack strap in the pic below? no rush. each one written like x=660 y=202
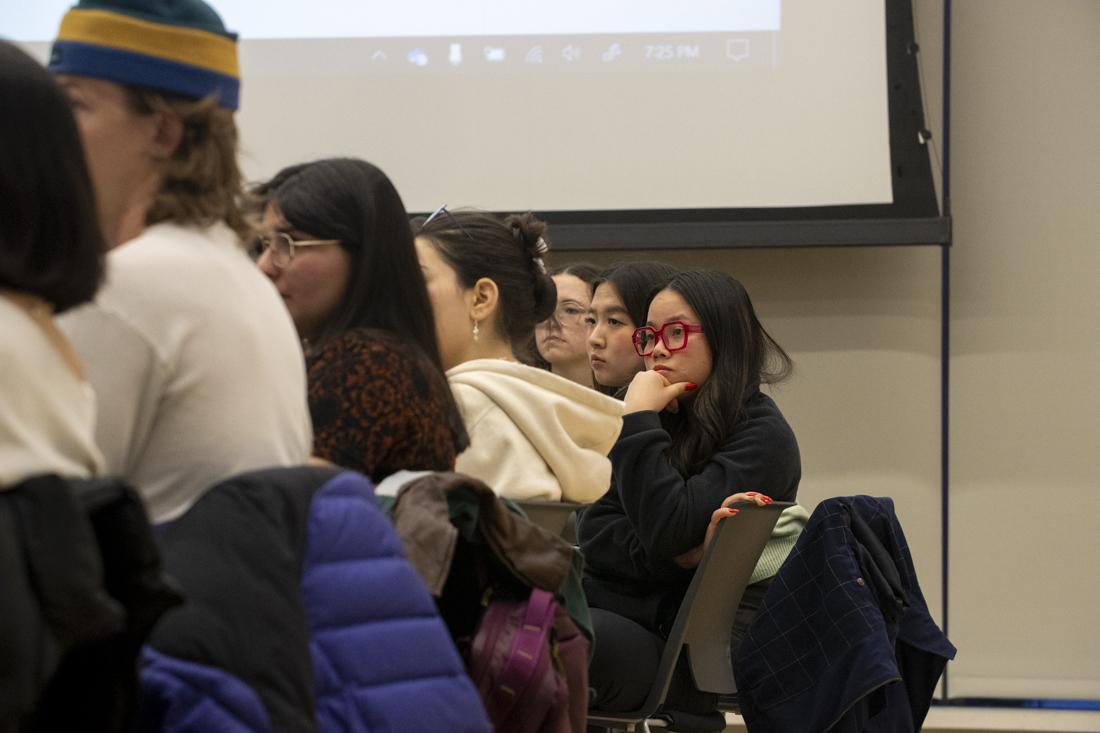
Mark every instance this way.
x=523 y=659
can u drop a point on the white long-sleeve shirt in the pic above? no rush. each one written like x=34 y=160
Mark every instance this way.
x=196 y=364
x=47 y=413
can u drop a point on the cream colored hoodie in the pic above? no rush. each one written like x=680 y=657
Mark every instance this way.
x=533 y=434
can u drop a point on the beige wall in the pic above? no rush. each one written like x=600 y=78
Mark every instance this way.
x=1025 y=484
x=863 y=328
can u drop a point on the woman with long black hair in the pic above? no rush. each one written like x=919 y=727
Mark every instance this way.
x=698 y=433
x=617 y=307
x=336 y=242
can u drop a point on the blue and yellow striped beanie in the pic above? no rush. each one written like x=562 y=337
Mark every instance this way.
x=176 y=46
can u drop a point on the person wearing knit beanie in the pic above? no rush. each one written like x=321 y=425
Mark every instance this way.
x=176 y=46
x=195 y=361
x=154 y=85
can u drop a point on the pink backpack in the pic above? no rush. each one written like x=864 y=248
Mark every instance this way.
x=529 y=662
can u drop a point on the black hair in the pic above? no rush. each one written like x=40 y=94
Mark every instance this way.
x=744 y=357
x=51 y=243
x=508 y=251
x=354 y=202
x=636 y=284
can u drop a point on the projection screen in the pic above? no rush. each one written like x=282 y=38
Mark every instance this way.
x=612 y=113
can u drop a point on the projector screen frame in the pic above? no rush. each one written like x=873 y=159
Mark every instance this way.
x=914 y=217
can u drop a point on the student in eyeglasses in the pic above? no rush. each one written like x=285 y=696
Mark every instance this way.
x=336 y=242
x=697 y=431
x=561 y=340
x=533 y=434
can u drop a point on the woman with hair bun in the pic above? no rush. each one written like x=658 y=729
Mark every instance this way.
x=533 y=434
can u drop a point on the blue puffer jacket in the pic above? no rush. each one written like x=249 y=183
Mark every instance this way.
x=298 y=589
x=179 y=696
x=382 y=658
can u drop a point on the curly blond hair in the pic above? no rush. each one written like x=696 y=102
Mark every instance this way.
x=202 y=182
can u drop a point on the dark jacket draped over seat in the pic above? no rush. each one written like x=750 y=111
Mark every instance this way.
x=844 y=641
x=82 y=587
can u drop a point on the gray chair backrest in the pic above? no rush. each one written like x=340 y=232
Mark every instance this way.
x=550 y=515
x=712 y=602
x=706 y=615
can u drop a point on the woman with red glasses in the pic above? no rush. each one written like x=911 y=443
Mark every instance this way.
x=698 y=432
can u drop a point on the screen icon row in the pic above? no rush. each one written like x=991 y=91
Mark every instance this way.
x=736 y=49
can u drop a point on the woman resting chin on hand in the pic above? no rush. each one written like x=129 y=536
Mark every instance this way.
x=697 y=436
x=653 y=391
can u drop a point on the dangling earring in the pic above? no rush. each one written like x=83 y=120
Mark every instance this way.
x=477 y=331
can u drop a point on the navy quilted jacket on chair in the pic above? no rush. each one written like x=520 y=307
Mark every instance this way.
x=844 y=641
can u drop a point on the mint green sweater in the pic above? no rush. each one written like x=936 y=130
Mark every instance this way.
x=790 y=524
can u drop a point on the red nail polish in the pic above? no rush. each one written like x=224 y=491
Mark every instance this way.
x=750 y=493
x=690 y=386
x=733 y=511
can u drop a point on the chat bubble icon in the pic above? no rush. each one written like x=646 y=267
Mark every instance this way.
x=737 y=48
